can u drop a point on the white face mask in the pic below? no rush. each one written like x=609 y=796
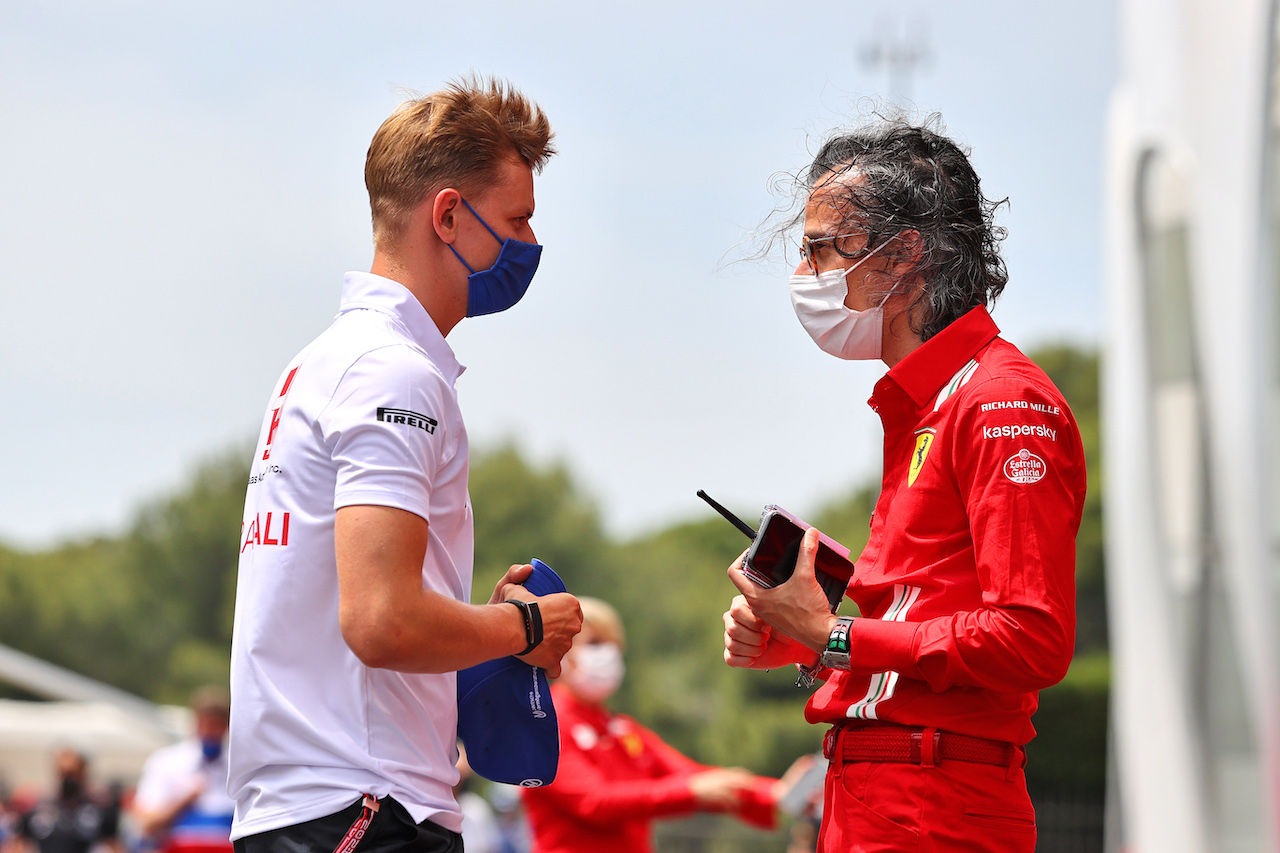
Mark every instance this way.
x=839 y=330
x=596 y=670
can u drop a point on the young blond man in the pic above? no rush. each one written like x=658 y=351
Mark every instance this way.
x=352 y=612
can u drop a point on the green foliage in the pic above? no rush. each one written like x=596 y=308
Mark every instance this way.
x=1070 y=748
x=69 y=605
x=1076 y=372
x=521 y=513
x=150 y=611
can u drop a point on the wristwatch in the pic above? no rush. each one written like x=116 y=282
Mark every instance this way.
x=836 y=654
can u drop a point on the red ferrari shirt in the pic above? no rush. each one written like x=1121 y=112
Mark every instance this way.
x=967 y=584
x=615 y=777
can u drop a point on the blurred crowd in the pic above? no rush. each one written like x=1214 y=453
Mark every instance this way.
x=180 y=805
x=85 y=815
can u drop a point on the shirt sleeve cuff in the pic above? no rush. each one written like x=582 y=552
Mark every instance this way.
x=876 y=646
x=758 y=804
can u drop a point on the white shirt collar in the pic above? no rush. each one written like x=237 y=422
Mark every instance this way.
x=364 y=290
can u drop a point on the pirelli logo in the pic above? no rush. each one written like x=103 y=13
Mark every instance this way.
x=408 y=418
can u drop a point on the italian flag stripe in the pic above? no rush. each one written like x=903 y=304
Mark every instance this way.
x=883 y=684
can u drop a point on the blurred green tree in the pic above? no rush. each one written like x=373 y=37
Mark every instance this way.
x=149 y=611
x=1075 y=371
x=522 y=512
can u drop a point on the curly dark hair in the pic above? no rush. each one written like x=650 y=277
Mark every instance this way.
x=913 y=178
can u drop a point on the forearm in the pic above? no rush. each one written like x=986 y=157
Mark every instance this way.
x=150 y=823
x=607 y=803
x=425 y=631
x=389 y=620
x=1008 y=650
x=152 y=818
x=759 y=803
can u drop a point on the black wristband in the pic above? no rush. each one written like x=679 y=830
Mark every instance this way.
x=532 y=623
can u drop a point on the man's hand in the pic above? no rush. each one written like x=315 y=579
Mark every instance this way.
x=153 y=822
x=515 y=576
x=797 y=608
x=750 y=643
x=720 y=788
x=561 y=622
x=561 y=618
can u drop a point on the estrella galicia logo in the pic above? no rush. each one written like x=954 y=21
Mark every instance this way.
x=404 y=416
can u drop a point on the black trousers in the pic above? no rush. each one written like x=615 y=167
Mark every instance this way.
x=391 y=830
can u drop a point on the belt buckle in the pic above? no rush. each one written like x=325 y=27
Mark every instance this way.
x=926 y=753
x=829 y=741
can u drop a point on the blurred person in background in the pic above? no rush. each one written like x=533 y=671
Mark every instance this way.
x=510 y=820
x=966 y=586
x=74 y=820
x=479 y=824
x=181 y=804
x=8 y=817
x=615 y=775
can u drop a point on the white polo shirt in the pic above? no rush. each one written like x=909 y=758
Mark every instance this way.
x=366 y=414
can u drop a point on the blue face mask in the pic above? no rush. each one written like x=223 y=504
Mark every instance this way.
x=501 y=285
x=211 y=748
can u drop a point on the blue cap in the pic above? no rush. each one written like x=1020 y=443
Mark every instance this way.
x=505 y=715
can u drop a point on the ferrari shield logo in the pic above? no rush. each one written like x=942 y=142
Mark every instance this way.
x=924 y=440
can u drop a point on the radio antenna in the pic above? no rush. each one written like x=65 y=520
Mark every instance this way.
x=747 y=529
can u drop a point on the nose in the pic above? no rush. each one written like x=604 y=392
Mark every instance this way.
x=802 y=268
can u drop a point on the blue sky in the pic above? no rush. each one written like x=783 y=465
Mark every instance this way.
x=181 y=189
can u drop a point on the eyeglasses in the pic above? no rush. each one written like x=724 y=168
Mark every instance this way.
x=810 y=245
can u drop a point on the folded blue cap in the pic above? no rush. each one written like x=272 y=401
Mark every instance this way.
x=505 y=715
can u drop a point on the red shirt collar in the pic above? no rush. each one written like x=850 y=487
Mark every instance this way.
x=923 y=373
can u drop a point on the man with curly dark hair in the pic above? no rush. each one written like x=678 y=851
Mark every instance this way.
x=966 y=588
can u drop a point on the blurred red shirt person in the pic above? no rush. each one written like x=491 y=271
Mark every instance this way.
x=615 y=775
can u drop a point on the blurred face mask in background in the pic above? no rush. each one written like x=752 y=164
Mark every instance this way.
x=596 y=670
x=211 y=748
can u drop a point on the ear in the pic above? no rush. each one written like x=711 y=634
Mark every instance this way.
x=444 y=213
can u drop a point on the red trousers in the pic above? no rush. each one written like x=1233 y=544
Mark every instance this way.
x=873 y=807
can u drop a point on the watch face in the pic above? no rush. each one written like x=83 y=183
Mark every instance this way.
x=839 y=639
x=836 y=654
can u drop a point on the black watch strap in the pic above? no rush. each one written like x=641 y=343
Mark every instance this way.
x=532 y=623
